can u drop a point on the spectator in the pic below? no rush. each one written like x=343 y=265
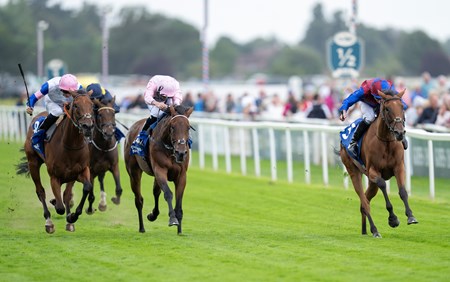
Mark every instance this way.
x=230 y=105
x=429 y=114
x=188 y=100
x=427 y=84
x=290 y=108
x=443 y=117
x=199 y=105
x=275 y=108
x=413 y=113
x=318 y=109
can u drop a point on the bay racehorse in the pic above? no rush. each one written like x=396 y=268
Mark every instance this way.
x=167 y=160
x=104 y=155
x=66 y=157
x=382 y=155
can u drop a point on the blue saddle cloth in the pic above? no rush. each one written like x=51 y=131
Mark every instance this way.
x=346 y=136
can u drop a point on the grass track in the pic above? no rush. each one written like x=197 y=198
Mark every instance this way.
x=236 y=229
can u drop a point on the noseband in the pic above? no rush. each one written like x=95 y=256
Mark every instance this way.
x=393 y=121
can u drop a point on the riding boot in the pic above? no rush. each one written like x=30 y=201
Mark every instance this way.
x=37 y=140
x=138 y=145
x=405 y=143
x=353 y=146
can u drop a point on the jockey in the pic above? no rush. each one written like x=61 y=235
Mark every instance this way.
x=56 y=92
x=102 y=94
x=367 y=93
x=162 y=91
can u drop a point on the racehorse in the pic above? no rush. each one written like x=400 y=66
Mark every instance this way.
x=167 y=160
x=104 y=153
x=383 y=157
x=66 y=158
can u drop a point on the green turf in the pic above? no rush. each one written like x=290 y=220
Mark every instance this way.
x=235 y=229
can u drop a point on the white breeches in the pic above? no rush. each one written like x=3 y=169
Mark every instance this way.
x=368 y=112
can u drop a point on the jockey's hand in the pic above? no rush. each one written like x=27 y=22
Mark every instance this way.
x=343 y=115
x=160 y=105
x=29 y=111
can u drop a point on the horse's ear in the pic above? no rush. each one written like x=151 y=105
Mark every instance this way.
x=173 y=112
x=90 y=92
x=382 y=95
x=113 y=99
x=97 y=103
x=401 y=93
x=189 y=111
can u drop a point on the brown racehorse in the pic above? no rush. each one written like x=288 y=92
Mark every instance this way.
x=383 y=155
x=104 y=153
x=66 y=158
x=167 y=160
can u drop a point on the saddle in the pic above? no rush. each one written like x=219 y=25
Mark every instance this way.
x=51 y=130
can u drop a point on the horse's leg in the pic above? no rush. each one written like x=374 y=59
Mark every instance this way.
x=84 y=178
x=34 y=168
x=102 y=204
x=67 y=198
x=135 y=174
x=375 y=177
x=179 y=191
x=116 y=174
x=91 y=198
x=161 y=178
x=355 y=175
x=400 y=176
x=156 y=192
x=56 y=188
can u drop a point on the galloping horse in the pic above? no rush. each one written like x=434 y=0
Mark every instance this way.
x=167 y=160
x=104 y=153
x=66 y=158
x=383 y=157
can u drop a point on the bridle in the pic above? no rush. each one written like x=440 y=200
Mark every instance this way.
x=178 y=141
x=76 y=122
x=391 y=123
x=99 y=129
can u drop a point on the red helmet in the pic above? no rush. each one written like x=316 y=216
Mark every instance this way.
x=68 y=82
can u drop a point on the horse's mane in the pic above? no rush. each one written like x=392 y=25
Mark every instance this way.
x=390 y=92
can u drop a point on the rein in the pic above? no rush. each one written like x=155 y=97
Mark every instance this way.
x=99 y=129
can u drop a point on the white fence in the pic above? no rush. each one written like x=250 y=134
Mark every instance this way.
x=217 y=137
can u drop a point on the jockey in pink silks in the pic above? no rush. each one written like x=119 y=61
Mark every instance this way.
x=162 y=91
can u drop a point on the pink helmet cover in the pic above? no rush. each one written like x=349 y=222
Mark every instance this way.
x=68 y=82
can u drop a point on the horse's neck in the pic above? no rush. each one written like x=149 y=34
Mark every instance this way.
x=70 y=133
x=382 y=130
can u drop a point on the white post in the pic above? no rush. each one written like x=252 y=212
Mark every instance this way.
x=431 y=167
x=307 y=159
x=215 y=158
x=105 y=45
x=408 y=166
x=256 y=152
x=41 y=26
x=201 y=146
x=290 y=177
x=324 y=158
x=273 y=155
x=243 y=153
x=227 y=149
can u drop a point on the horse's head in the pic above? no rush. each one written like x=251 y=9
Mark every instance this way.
x=105 y=118
x=179 y=133
x=81 y=112
x=392 y=112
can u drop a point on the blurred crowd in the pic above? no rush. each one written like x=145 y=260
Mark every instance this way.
x=428 y=101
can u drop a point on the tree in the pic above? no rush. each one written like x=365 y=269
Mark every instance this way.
x=296 y=61
x=223 y=57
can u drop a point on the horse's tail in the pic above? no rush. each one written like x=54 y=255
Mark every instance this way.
x=22 y=167
x=336 y=151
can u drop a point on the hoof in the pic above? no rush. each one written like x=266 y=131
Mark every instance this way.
x=90 y=211
x=115 y=200
x=142 y=230
x=72 y=218
x=102 y=208
x=377 y=235
x=152 y=217
x=394 y=222
x=50 y=229
x=412 y=220
x=173 y=221
x=70 y=227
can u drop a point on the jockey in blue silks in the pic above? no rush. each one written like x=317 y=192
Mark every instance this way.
x=367 y=93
